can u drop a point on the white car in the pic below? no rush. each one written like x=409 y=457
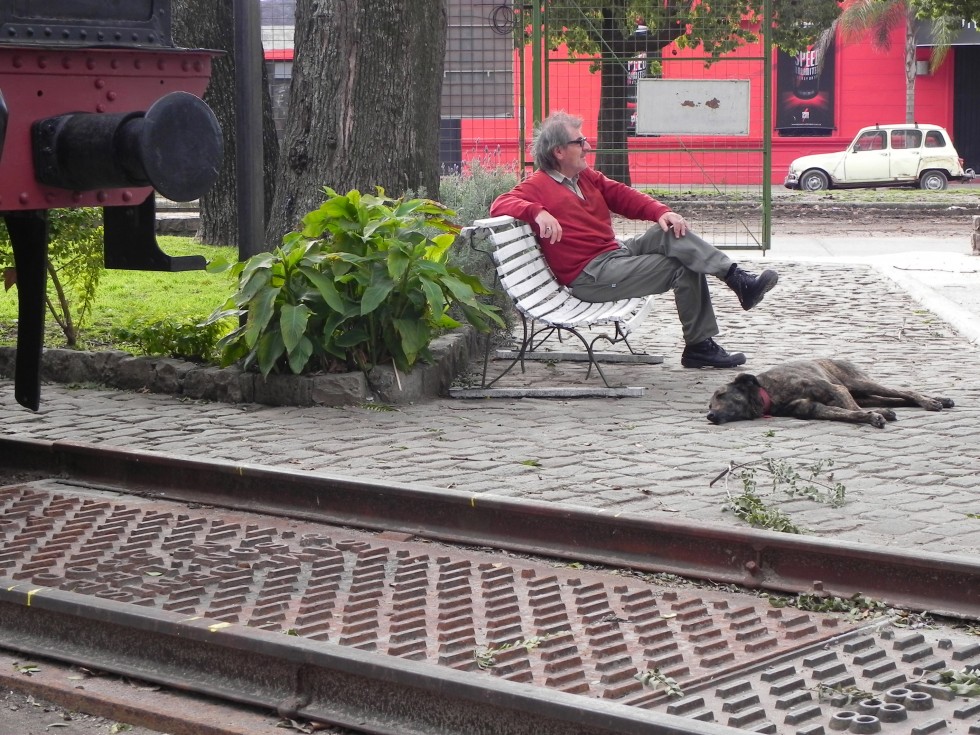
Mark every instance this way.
x=884 y=155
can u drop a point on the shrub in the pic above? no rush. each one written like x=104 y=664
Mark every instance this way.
x=75 y=264
x=195 y=340
x=470 y=193
x=364 y=282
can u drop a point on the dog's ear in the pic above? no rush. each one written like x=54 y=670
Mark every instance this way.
x=746 y=380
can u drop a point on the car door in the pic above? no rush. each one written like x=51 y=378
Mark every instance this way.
x=867 y=158
x=906 y=154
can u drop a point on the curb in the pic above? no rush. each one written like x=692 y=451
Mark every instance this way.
x=962 y=320
x=383 y=384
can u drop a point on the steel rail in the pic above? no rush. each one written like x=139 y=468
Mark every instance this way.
x=306 y=679
x=941 y=584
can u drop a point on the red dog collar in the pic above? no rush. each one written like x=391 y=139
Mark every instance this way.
x=766 y=401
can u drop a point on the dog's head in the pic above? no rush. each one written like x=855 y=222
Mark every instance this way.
x=737 y=401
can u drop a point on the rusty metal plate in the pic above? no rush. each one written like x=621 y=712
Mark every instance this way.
x=735 y=659
x=882 y=680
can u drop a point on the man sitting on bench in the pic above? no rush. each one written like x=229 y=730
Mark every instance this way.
x=569 y=205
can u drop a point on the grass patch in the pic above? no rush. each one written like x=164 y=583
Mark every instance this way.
x=127 y=297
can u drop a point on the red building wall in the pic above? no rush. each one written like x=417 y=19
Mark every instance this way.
x=869 y=88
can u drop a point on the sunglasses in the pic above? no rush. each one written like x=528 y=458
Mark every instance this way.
x=578 y=141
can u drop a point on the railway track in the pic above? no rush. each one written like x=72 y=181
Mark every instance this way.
x=398 y=609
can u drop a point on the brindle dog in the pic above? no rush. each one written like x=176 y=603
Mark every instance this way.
x=833 y=390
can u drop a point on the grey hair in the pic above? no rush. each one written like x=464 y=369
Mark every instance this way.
x=552 y=133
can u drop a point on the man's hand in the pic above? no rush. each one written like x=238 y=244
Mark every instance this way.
x=673 y=221
x=548 y=227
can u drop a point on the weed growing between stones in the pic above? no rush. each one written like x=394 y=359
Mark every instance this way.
x=749 y=505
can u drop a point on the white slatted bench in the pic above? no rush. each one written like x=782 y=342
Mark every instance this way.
x=547 y=309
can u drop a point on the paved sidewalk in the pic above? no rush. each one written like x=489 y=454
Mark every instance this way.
x=907 y=310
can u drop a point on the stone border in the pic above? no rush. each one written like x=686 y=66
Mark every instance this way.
x=451 y=354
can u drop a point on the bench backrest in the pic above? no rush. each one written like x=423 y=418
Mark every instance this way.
x=528 y=279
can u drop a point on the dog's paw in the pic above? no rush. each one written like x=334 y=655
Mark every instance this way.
x=888 y=414
x=876 y=419
x=937 y=404
x=947 y=402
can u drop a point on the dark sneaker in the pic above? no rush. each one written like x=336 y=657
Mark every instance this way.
x=750 y=288
x=710 y=354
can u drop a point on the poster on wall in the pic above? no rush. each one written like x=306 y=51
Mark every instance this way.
x=805 y=92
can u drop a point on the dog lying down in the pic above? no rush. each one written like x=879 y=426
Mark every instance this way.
x=833 y=390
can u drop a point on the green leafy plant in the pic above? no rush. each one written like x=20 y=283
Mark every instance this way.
x=656 y=679
x=365 y=282
x=751 y=508
x=486 y=657
x=75 y=264
x=965 y=683
x=857 y=605
x=469 y=192
x=841 y=695
x=195 y=340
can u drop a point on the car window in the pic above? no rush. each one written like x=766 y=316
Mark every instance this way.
x=906 y=138
x=934 y=139
x=873 y=140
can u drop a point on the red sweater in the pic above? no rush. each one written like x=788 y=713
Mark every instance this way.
x=586 y=224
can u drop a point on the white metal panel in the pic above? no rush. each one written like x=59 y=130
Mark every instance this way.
x=692 y=106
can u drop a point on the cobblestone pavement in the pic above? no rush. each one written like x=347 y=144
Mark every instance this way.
x=913 y=484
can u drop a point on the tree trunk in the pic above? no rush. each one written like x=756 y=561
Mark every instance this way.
x=910 y=25
x=612 y=158
x=210 y=24
x=616 y=50
x=364 y=103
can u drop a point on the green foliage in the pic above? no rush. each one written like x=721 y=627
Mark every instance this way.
x=195 y=340
x=857 y=605
x=963 y=683
x=75 y=264
x=470 y=193
x=751 y=508
x=365 y=282
x=718 y=25
x=655 y=678
x=958 y=9
x=486 y=658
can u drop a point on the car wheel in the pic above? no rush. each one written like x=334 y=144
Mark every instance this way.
x=933 y=181
x=814 y=181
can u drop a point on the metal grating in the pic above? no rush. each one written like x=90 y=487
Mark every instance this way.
x=737 y=660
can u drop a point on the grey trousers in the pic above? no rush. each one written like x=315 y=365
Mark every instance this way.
x=656 y=262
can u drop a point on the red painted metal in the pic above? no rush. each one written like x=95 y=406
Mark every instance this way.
x=40 y=82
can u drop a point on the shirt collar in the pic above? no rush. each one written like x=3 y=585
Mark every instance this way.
x=561 y=178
